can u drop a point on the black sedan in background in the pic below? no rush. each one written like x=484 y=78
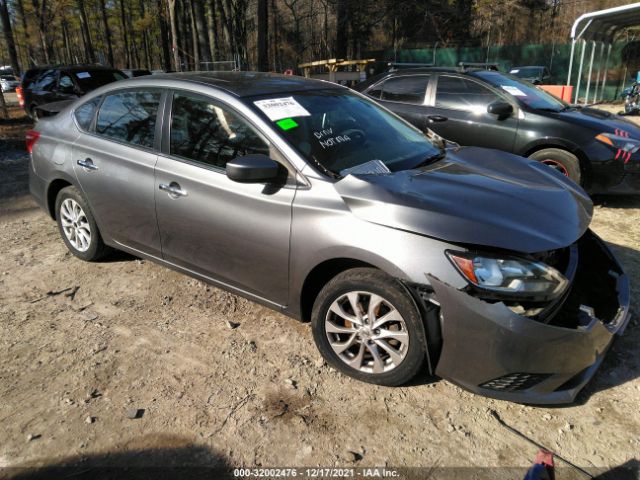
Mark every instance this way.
x=490 y=109
x=53 y=84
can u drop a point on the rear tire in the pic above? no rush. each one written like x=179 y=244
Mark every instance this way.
x=388 y=346
x=561 y=160
x=78 y=227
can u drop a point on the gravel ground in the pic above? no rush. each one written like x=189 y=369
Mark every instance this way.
x=214 y=379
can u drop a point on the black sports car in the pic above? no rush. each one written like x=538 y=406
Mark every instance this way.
x=485 y=108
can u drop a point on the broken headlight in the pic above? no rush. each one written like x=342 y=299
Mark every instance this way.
x=509 y=277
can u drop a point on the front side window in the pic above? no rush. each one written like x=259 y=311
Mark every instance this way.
x=84 y=113
x=129 y=117
x=406 y=89
x=208 y=133
x=340 y=130
x=458 y=93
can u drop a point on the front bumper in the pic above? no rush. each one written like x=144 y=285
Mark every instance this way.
x=490 y=350
x=617 y=174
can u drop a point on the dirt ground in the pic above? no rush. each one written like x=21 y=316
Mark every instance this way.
x=128 y=338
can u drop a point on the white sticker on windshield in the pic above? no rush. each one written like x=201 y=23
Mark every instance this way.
x=83 y=75
x=279 y=108
x=515 y=71
x=515 y=91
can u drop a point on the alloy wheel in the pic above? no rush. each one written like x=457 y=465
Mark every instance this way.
x=367 y=332
x=556 y=166
x=75 y=224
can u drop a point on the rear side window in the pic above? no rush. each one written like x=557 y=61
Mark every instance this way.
x=129 y=117
x=208 y=133
x=406 y=89
x=84 y=113
x=47 y=81
x=461 y=94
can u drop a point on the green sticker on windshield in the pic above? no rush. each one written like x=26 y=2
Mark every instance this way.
x=287 y=124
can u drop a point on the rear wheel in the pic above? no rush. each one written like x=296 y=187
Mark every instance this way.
x=366 y=325
x=77 y=226
x=560 y=160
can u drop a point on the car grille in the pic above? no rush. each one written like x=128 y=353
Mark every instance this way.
x=515 y=381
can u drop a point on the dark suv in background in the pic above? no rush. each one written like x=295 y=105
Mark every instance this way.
x=485 y=108
x=43 y=85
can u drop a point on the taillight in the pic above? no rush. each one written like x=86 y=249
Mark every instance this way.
x=19 y=95
x=31 y=138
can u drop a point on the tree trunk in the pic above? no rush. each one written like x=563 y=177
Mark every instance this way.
x=212 y=27
x=201 y=26
x=85 y=32
x=342 y=29
x=263 y=35
x=164 y=35
x=194 y=34
x=8 y=36
x=20 y=8
x=145 y=38
x=107 y=32
x=174 y=35
x=125 y=35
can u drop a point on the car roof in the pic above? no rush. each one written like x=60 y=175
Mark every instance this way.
x=247 y=84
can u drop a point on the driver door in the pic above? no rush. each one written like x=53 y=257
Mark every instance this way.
x=463 y=102
x=231 y=233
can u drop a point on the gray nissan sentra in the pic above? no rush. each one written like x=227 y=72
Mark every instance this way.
x=404 y=252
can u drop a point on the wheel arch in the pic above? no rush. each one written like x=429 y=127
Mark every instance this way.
x=52 y=193
x=320 y=275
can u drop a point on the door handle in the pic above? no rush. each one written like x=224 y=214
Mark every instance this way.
x=436 y=118
x=87 y=164
x=173 y=189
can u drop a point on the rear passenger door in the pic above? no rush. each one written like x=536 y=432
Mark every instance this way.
x=405 y=95
x=461 y=103
x=114 y=161
x=233 y=233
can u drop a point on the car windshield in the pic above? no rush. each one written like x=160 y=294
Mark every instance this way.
x=7 y=77
x=92 y=79
x=340 y=130
x=523 y=92
x=526 y=72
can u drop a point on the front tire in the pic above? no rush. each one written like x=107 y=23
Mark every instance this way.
x=366 y=325
x=78 y=227
x=561 y=160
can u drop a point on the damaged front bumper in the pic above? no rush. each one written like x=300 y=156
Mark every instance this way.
x=490 y=350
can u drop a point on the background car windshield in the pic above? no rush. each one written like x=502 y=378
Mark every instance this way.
x=527 y=72
x=524 y=92
x=342 y=130
x=92 y=79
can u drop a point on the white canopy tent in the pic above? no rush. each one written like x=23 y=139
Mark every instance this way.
x=600 y=28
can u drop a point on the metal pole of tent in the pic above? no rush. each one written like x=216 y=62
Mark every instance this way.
x=604 y=74
x=584 y=46
x=593 y=51
x=573 y=47
x=595 y=90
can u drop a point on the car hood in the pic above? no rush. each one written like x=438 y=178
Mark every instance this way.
x=597 y=120
x=475 y=196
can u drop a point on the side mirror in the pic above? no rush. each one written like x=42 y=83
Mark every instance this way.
x=257 y=168
x=501 y=109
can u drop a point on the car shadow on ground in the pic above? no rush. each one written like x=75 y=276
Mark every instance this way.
x=616 y=201
x=186 y=461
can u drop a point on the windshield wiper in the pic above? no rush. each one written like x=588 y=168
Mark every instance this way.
x=432 y=158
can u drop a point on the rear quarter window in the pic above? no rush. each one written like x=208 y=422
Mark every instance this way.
x=84 y=113
x=129 y=117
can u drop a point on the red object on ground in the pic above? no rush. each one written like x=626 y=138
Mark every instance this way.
x=563 y=92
